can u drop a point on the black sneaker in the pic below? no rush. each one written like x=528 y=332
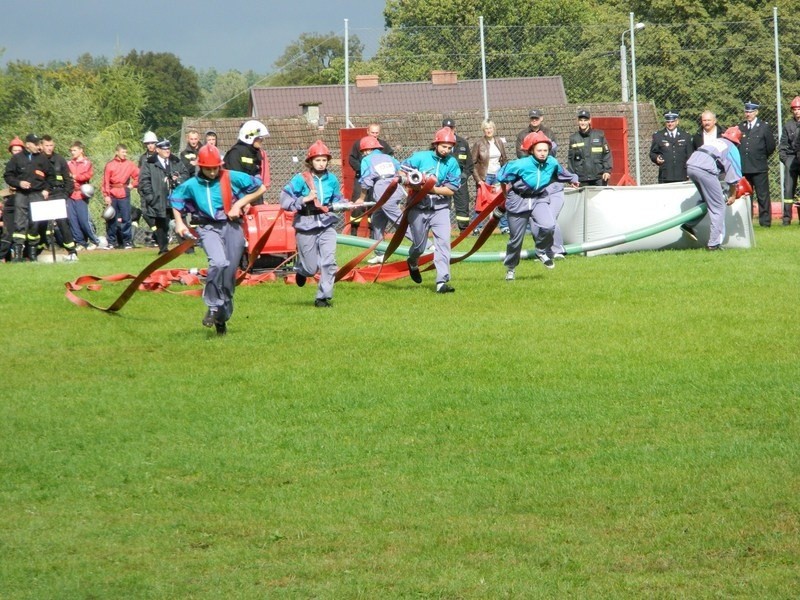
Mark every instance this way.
x=210 y=318
x=222 y=328
x=322 y=303
x=689 y=230
x=413 y=271
x=443 y=288
x=299 y=279
x=714 y=248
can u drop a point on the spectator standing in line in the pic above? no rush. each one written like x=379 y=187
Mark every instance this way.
x=310 y=194
x=788 y=152
x=756 y=147
x=529 y=186
x=709 y=130
x=463 y=156
x=149 y=140
x=160 y=175
x=377 y=171
x=536 y=119
x=589 y=156
x=28 y=172
x=61 y=186
x=432 y=214
x=120 y=176
x=211 y=138
x=217 y=200
x=6 y=240
x=82 y=172
x=706 y=164
x=247 y=155
x=488 y=155
x=189 y=153
x=670 y=149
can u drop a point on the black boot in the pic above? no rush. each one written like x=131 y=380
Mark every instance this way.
x=32 y=253
x=19 y=252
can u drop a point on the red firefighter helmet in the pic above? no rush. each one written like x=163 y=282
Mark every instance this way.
x=318 y=148
x=369 y=142
x=795 y=103
x=15 y=142
x=533 y=138
x=733 y=134
x=743 y=188
x=209 y=157
x=444 y=136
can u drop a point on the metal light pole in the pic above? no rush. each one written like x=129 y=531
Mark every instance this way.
x=635 y=105
x=623 y=60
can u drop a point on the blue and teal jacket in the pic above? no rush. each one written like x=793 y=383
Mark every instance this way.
x=528 y=180
x=203 y=196
x=307 y=216
x=446 y=171
x=377 y=171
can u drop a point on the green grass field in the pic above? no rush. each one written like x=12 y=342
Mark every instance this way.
x=622 y=427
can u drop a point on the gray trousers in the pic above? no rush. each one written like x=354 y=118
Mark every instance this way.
x=711 y=193
x=389 y=213
x=555 y=193
x=437 y=222
x=316 y=251
x=223 y=243
x=541 y=220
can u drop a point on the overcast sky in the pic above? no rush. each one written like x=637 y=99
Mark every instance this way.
x=236 y=34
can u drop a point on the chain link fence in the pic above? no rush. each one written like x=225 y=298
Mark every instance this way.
x=684 y=67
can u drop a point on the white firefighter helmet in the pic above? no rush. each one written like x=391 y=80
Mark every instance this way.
x=251 y=130
x=109 y=213
x=150 y=138
x=87 y=189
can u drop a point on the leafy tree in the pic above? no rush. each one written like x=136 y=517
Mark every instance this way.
x=120 y=94
x=315 y=59
x=172 y=90
x=228 y=97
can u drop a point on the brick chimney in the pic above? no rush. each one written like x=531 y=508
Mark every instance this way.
x=444 y=77
x=367 y=81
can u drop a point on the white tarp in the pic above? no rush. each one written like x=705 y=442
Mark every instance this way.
x=594 y=213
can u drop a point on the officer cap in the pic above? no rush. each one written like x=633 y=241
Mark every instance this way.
x=751 y=106
x=584 y=114
x=448 y=123
x=163 y=143
x=671 y=115
x=535 y=114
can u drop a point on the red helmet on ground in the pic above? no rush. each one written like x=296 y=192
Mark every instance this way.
x=743 y=188
x=15 y=142
x=734 y=134
x=209 y=157
x=795 y=103
x=369 y=143
x=533 y=138
x=318 y=148
x=444 y=136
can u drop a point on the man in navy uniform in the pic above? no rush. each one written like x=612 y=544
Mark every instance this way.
x=670 y=149
x=757 y=145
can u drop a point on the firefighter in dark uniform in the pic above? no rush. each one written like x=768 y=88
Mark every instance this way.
x=61 y=186
x=589 y=157
x=463 y=155
x=757 y=146
x=670 y=149
x=28 y=172
x=787 y=150
x=247 y=154
x=535 y=116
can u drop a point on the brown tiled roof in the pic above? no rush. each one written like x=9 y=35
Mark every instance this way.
x=408 y=132
x=395 y=98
